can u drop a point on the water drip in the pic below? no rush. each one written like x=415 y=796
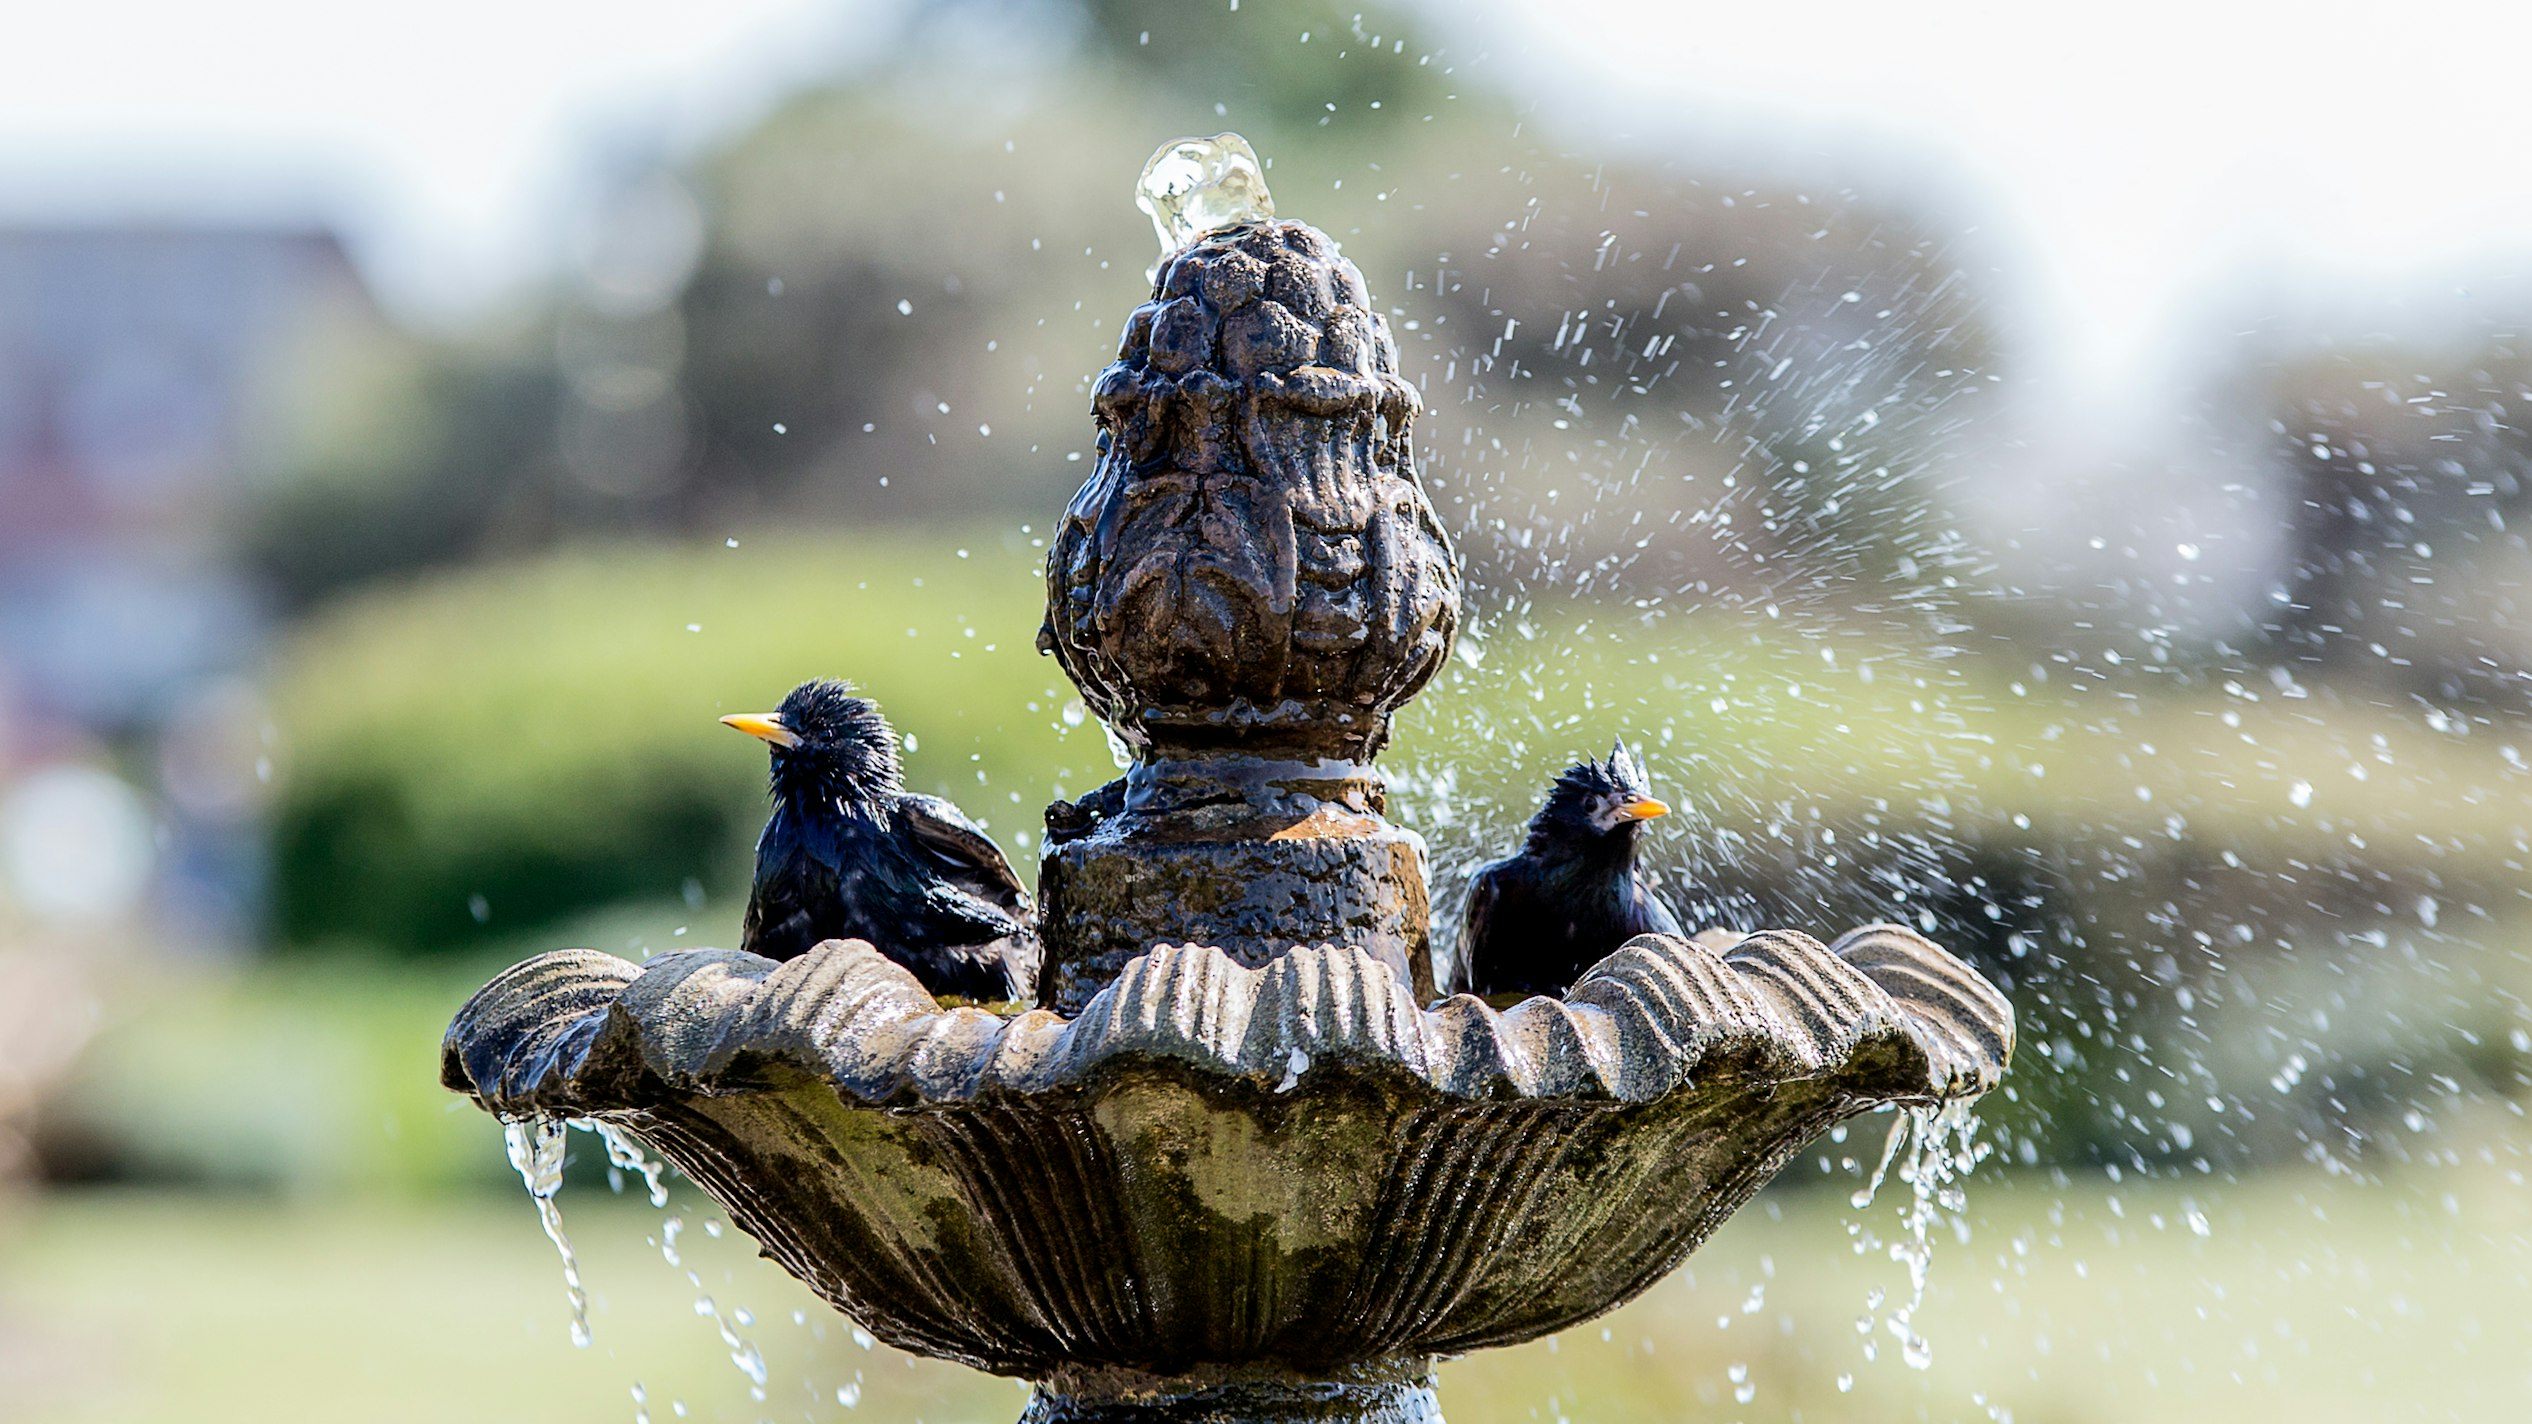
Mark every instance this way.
x=1889 y=1153
x=627 y=1155
x=1943 y=1149
x=743 y=1352
x=536 y=1151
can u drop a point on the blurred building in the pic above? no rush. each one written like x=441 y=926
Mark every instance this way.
x=139 y=368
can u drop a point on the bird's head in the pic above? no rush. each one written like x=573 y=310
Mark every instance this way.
x=1604 y=802
x=828 y=745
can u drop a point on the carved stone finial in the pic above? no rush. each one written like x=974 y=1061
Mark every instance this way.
x=1252 y=566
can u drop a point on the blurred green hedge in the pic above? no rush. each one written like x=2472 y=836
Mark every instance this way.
x=506 y=760
x=475 y=756
x=480 y=754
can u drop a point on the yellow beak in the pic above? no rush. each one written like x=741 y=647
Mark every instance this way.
x=1643 y=810
x=766 y=725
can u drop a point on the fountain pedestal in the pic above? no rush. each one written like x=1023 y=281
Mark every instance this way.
x=1239 y=1167
x=1250 y=855
x=1398 y=1391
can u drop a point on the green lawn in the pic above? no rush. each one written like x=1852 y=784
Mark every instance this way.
x=2310 y=1298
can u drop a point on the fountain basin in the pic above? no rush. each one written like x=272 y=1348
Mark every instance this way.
x=1227 y=1184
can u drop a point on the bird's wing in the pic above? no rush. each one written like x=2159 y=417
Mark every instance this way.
x=1651 y=915
x=783 y=907
x=1474 y=928
x=963 y=848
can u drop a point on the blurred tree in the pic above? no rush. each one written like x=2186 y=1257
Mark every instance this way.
x=2408 y=471
x=414 y=456
x=885 y=302
x=1753 y=376
x=899 y=303
x=1278 y=69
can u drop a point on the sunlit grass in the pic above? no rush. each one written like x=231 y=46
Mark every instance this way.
x=2313 y=1298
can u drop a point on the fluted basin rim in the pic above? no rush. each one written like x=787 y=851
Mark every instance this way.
x=570 y=1032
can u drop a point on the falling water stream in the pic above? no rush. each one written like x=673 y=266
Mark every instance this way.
x=536 y=1150
x=1941 y=1149
x=626 y=1155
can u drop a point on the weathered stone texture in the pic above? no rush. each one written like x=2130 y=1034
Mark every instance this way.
x=1252 y=563
x=1214 y=1167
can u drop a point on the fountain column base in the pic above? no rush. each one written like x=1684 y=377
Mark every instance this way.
x=1384 y=1392
x=1249 y=855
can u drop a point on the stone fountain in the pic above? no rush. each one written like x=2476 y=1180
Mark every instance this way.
x=1237 y=1164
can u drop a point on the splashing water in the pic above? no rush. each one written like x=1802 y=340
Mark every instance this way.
x=1889 y=1153
x=743 y=1352
x=536 y=1147
x=1942 y=1150
x=536 y=1152
x=1193 y=185
x=626 y=1155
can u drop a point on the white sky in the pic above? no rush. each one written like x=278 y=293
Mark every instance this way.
x=452 y=140
x=2133 y=155
x=2126 y=158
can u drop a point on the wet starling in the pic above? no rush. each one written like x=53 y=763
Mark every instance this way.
x=1537 y=920
x=850 y=854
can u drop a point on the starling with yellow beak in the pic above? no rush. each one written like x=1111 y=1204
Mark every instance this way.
x=1537 y=920
x=851 y=854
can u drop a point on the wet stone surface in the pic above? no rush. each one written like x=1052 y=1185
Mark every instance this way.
x=1253 y=565
x=1251 y=855
x=1219 y=1176
x=1389 y=1392
x=1108 y=901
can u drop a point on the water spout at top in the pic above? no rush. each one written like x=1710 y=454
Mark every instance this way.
x=1192 y=186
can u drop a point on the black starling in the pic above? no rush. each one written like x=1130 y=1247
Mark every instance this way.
x=1537 y=920
x=850 y=854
